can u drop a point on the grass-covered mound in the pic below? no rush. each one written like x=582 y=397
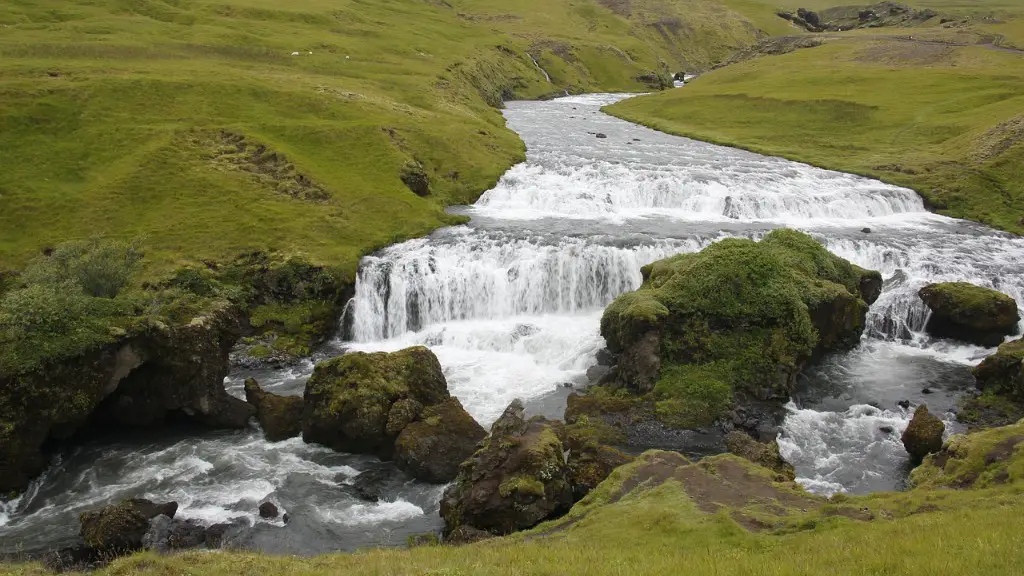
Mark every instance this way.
x=886 y=103
x=739 y=318
x=982 y=459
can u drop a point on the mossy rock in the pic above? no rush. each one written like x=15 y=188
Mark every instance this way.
x=432 y=448
x=517 y=479
x=981 y=459
x=970 y=313
x=120 y=527
x=1002 y=373
x=349 y=399
x=923 y=435
x=764 y=454
x=739 y=318
x=279 y=416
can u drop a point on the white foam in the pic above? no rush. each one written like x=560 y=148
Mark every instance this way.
x=368 y=514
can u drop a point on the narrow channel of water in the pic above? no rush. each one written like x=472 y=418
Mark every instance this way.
x=510 y=303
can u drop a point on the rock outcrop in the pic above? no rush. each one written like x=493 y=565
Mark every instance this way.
x=517 y=479
x=923 y=435
x=765 y=454
x=1002 y=373
x=121 y=527
x=970 y=313
x=136 y=380
x=414 y=176
x=734 y=325
x=851 y=17
x=432 y=448
x=279 y=416
x=362 y=403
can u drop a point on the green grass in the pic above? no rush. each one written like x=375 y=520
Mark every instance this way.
x=894 y=110
x=111 y=112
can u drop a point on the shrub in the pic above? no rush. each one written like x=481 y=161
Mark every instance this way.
x=100 y=267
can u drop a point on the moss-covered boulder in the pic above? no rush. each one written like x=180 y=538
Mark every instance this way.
x=970 y=313
x=360 y=402
x=923 y=435
x=121 y=527
x=431 y=448
x=739 y=319
x=592 y=454
x=517 y=479
x=279 y=416
x=1002 y=373
x=764 y=454
x=980 y=459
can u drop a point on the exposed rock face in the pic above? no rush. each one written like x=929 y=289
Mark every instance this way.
x=279 y=416
x=135 y=381
x=765 y=454
x=881 y=14
x=414 y=176
x=121 y=527
x=432 y=448
x=970 y=313
x=360 y=402
x=923 y=435
x=518 y=478
x=736 y=322
x=591 y=464
x=165 y=534
x=1002 y=373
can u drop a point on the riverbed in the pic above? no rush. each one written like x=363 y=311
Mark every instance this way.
x=510 y=303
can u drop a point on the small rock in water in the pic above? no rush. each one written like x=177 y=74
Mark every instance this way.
x=926 y=391
x=905 y=404
x=636 y=139
x=268 y=510
x=600 y=135
x=885 y=429
x=285 y=518
x=866 y=230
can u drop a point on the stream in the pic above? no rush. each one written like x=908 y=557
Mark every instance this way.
x=510 y=303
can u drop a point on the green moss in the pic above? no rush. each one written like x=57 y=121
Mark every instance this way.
x=739 y=317
x=691 y=396
x=524 y=485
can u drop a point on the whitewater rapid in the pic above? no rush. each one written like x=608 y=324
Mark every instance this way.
x=511 y=304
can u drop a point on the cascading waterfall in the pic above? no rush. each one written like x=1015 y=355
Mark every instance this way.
x=511 y=305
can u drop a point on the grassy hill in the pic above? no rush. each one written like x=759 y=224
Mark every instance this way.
x=935 y=108
x=124 y=118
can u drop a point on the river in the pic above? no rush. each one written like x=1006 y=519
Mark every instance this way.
x=510 y=303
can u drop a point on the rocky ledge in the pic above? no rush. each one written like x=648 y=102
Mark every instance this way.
x=138 y=380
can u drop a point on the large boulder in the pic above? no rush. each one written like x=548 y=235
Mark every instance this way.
x=279 y=416
x=138 y=379
x=1002 y=373
x=970 y=313
x=923 y=435
x=977 y=460
x=360 y=402
x=432 y=448
x=517 y=479
x=122 y=527
x=737 y=321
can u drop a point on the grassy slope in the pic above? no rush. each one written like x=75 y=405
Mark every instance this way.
x=107 y=108
x=895 y=110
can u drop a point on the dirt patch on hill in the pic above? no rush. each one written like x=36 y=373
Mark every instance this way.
x=232 y=151
x=999 y=139
x=907 y=53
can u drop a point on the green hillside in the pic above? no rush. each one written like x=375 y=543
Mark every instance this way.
x=123 y=117
x=935 y=108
